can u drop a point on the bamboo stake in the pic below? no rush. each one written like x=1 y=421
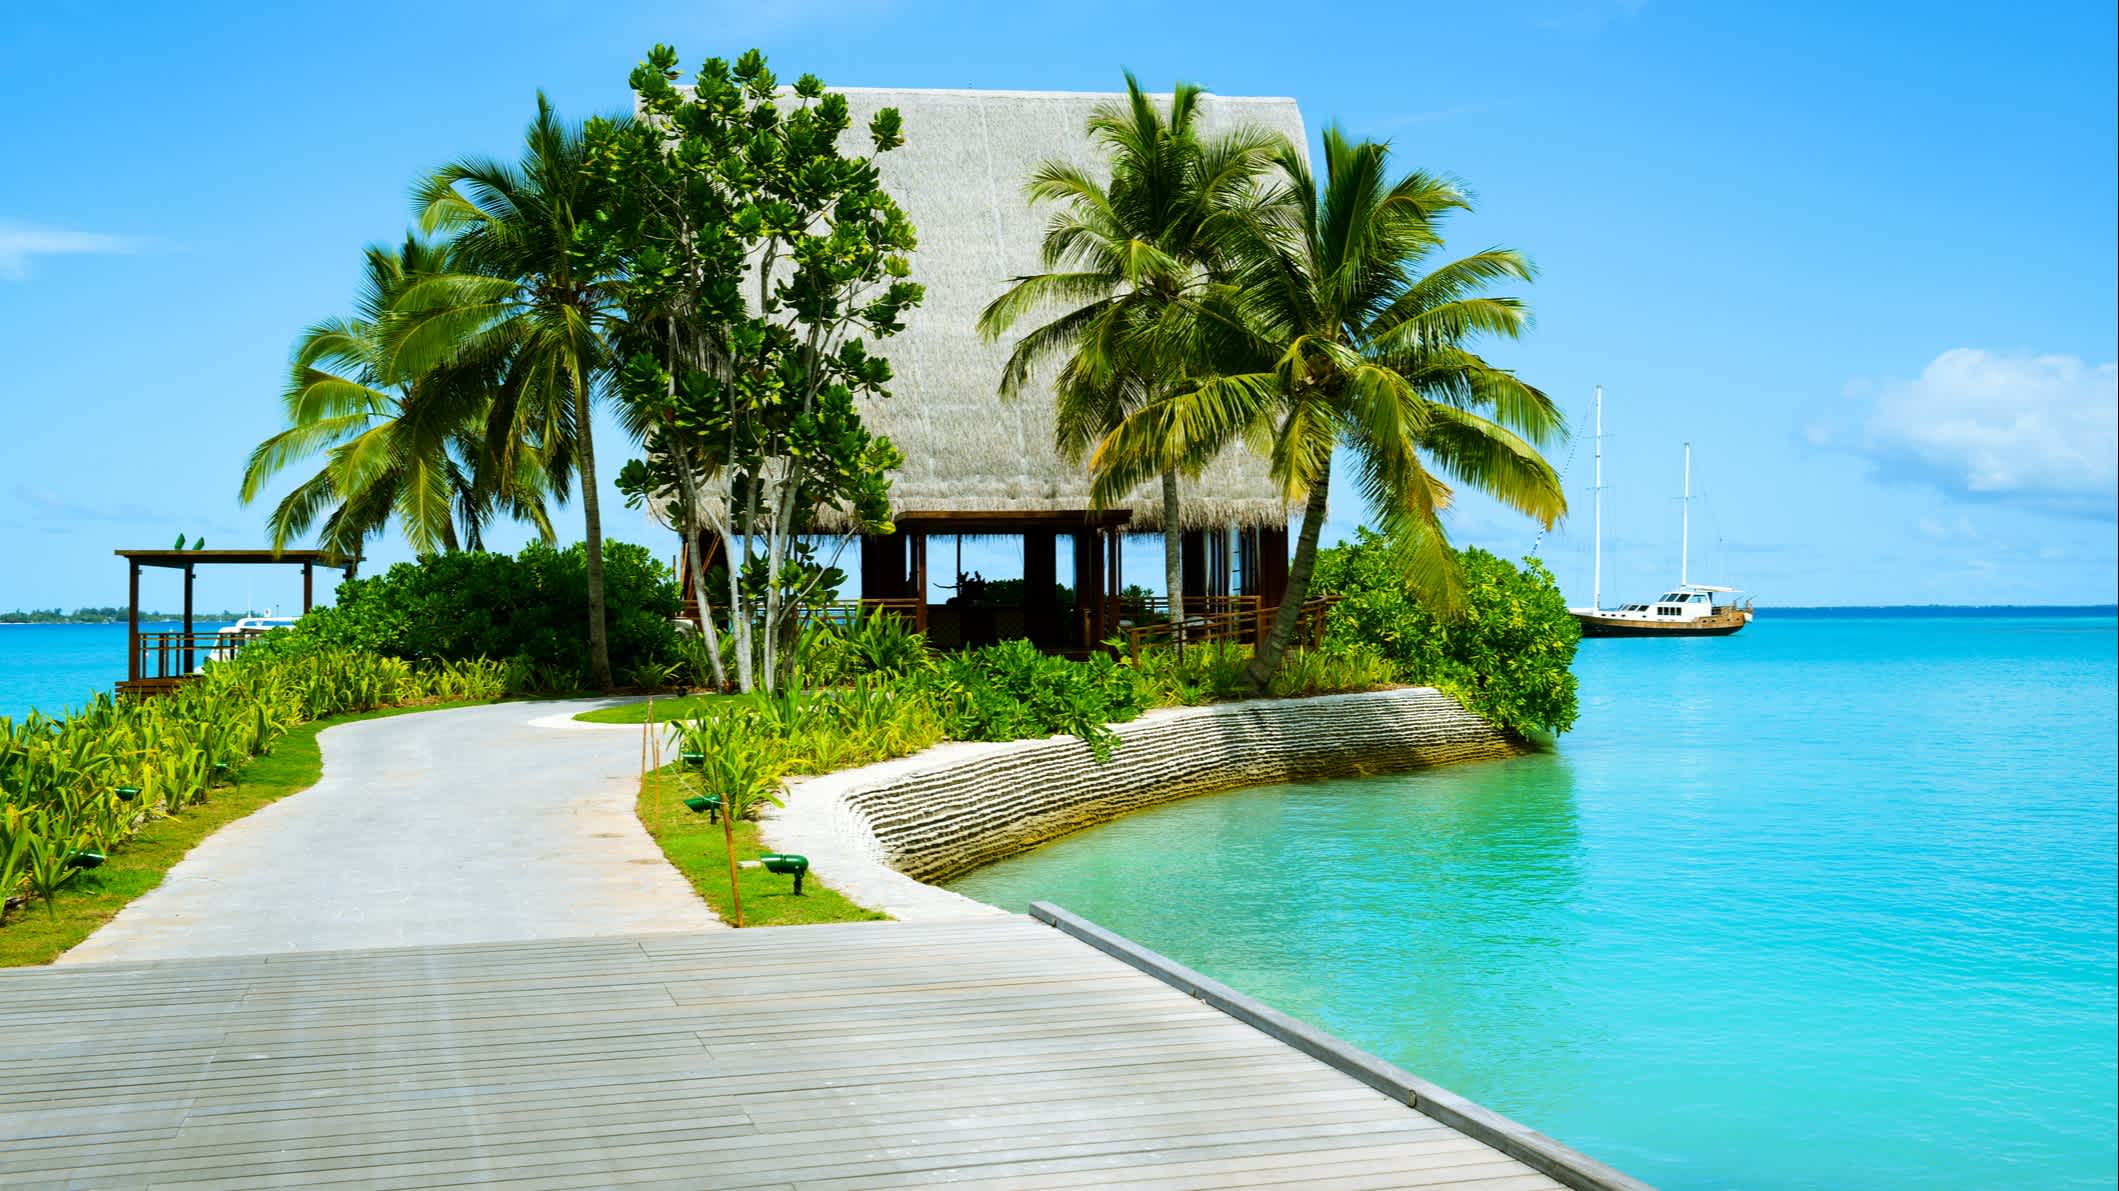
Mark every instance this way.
x=728 y=834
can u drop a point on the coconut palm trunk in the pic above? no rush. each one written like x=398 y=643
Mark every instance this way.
x=1173 y=549
x=592 y=514
x=1265 y=660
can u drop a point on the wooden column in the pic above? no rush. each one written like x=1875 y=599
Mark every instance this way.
x=1192 y=557
x=308 y=587
x=1272 y=566
x=1040 y=575
x=1095 y=588
x=919 y=574
x=883 y=570
x=132 y=621
x=189 y=661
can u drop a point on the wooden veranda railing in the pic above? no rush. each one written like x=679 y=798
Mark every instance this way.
x=1241 y=626
x=844 y=613
x=168 y=657
x=1143 y=609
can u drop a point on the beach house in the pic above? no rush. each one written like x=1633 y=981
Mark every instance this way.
x=981 y=467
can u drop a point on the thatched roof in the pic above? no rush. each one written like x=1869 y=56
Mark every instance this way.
x=959 y=177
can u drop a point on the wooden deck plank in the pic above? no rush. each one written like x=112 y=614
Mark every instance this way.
x=993 y=1052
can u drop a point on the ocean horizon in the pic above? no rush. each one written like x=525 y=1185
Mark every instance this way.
x=52 y=667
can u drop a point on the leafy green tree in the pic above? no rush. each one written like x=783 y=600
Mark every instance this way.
x=525 y=608
x=760 y=262
x=524 y=299
x=397 y=444
x=1336 y=333
x=1118 y=259
x=1507 y=651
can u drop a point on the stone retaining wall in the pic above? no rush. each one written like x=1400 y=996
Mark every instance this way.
x=948 y=810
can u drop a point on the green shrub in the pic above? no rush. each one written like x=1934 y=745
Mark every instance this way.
x=878 y=642
x=1339 y=668
x=1010 y=691
x=1507 y=655
x=818 y=731
x=530 y=610
x=1197 y=674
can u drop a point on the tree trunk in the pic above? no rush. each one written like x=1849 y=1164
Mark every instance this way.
x=739 y=613
x=1173 y=552
x=688 y=485
x=592 y=513
x=1265 y=661
x=728 y=844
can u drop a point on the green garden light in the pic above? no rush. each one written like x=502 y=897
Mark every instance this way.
x=84 y=859
x=704 y=802
x=127 y=793
x=785 y=865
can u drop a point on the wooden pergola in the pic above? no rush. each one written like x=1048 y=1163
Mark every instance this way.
x=157 y=662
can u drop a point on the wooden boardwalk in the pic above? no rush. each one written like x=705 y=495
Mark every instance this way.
x=997 y=1053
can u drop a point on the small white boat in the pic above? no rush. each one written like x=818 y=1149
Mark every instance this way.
x=227 y=641
x=1688 y=610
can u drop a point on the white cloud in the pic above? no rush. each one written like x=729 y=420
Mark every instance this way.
x=19 y=242
x=2035 y=430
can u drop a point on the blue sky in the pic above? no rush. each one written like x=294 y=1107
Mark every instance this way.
x=1862 y=258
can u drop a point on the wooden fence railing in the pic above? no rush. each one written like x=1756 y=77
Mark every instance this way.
x=179 y=655
x=844 y=613
x=1243 y=626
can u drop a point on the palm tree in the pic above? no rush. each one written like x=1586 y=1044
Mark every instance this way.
x=523 y=294
x=1119 y=257
x=396 y=444
x=1330 y=334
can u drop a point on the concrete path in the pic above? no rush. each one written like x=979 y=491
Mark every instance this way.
x=473 y=825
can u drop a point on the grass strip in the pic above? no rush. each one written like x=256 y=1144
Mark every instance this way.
x=676 y=707
x=696 y=848
x=39 y=933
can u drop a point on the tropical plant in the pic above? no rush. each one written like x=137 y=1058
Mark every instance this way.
x=1013 y=691
x=760 y=260
x=1507 y=653
x=1335 y=332
x=734 y=770
x=396 y=443
x=525 y=608
x=523 y=299
x=1119 y=257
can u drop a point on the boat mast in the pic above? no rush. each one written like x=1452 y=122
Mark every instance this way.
x=1596 y=572
x=1685 y=534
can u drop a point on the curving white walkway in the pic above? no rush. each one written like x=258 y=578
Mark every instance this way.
x=473 y=825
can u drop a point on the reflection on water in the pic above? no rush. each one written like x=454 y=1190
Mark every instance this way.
x=1867 y=870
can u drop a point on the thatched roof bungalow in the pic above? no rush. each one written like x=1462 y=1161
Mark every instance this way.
x=960 y=177
x=977 y=465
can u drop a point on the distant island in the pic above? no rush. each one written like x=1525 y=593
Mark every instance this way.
x=103 y=616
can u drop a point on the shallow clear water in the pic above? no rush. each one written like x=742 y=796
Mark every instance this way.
x=51 y=667
x=1830 y=903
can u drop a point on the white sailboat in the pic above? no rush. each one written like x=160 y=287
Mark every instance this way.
x=1687 y=610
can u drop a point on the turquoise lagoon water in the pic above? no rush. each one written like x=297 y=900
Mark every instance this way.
x=1826 y=904
x=51 y=667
